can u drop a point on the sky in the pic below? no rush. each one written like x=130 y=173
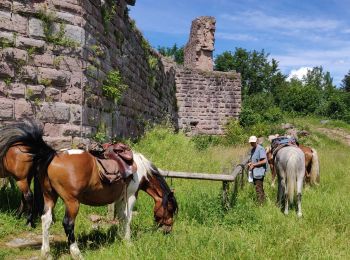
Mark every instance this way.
x=299 y=34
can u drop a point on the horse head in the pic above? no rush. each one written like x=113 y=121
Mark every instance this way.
x=154 y=184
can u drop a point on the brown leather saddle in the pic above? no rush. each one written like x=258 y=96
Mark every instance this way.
x=115 y=161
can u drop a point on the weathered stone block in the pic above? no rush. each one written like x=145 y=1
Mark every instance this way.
x=36 y=28
x=54 y=112
x=35 y=91
x=45 y=60
x=91 y=116
x=6 y=108
x=71 y=130
x=6 y=71
x=14 y=55
x=75 y=33
x=59 y=143
x=13 y=22
x=23 y=109
x=72 y=95
x=17 y=90
x=58 y=78
x=23 y=42
x=52 y=94
x=75 y=114
x=29 y=74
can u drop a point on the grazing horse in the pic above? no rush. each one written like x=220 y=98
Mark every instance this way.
x=312 y=168
x=21 y=147
x=290 y=169
x=74 y=176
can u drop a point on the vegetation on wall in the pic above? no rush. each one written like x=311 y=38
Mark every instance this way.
x=54 y=32
x=108 y=11
x=113 y=86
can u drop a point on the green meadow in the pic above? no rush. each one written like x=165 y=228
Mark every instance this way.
x=203 y=229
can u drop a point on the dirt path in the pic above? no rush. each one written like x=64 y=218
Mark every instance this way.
x=337 y=134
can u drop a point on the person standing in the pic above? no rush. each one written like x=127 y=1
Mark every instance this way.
x=257 y=165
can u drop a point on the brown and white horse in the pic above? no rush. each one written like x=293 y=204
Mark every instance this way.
x=74 y=176
x=21 y=148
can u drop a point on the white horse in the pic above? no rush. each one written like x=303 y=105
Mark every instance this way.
x=290 y=168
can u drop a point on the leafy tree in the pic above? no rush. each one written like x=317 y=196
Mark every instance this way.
x=257 y=72
x=320 y=80
x=175 y=52
x=346 y=82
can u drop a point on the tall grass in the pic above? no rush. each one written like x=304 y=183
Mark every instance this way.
x=203 y=229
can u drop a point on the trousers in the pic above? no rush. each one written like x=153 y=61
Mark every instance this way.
x=259 y=188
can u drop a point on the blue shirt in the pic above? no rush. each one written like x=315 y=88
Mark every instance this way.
x=257 y=154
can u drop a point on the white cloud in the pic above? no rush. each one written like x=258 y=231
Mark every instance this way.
x=235 y=36
x=261 y=20
x=299 y=73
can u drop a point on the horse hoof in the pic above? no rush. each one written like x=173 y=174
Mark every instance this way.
x=299 y=214
x=75 y=252
x=46 y=256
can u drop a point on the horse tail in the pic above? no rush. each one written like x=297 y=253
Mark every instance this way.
x=295 y=167
x=38 y=202
x=291 y=178
x=30 y=134
x=315 y=168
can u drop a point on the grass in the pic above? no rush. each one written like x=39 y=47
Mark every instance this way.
x=203 y=229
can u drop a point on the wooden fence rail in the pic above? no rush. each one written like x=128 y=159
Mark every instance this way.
x=225 y=178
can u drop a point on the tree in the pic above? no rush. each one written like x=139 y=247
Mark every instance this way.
x=175 y=52
x=345 y=84
x=257 y=72
x=320 y=80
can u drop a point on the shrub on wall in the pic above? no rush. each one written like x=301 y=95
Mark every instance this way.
x=113 y=86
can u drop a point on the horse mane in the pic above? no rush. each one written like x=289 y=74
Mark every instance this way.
x=152 y=170
x=27 y=133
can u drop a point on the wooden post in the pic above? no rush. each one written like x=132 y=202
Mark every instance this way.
x=225 y=195
x=111 y=211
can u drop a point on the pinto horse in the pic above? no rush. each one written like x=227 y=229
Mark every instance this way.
x=21 y=148
x=312 y=168
x=74 y=176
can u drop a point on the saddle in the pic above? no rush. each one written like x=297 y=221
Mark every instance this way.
x=280 y=142
x=115 y=161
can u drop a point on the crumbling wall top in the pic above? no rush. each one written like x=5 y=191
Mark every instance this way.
x=199 y=49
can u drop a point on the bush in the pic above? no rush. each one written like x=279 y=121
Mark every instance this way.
x=249 y=117
x=202 y=142
x=301 y=99
x=235 y=133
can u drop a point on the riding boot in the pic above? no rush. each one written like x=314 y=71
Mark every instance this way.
x=259 y=187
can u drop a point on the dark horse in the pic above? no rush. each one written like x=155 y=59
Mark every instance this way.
x=21 y=148
x=74 y=176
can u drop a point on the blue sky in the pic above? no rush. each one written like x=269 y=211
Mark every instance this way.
x=297 y=33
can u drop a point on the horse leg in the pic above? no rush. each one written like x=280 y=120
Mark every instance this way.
x=129 y=206
x=286 y=202
x=21 y=207
x=50 y=199
x=72 y=209
x=27 y=200
x=299 y=190
x=273 y=175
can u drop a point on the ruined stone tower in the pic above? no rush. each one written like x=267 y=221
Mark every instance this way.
x=199 y=49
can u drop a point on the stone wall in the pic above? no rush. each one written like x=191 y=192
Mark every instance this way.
x=206 y=99
x=198 y=52
x=55 y=56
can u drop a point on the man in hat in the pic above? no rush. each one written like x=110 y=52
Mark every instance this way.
x=257 y=165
